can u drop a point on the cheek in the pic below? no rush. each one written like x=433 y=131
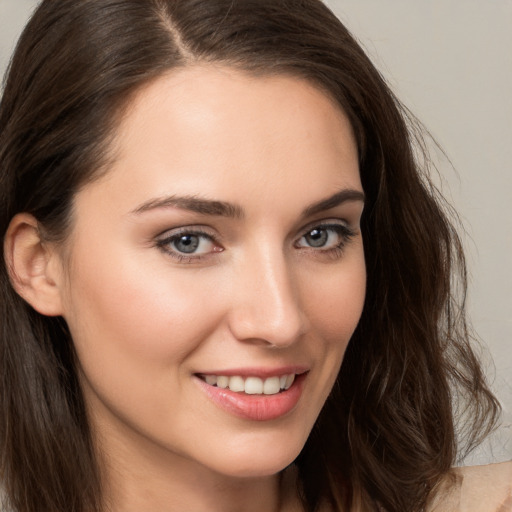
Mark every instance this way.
x=134 y=328
x=336 y=305
x=121 y=313
x=333 y=306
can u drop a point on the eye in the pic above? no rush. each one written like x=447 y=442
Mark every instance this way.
x=188 y=244
x=326 y=237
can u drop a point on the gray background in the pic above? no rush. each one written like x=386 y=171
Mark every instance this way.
x=450 y=62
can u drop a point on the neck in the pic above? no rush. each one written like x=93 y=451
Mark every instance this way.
x=177 y=490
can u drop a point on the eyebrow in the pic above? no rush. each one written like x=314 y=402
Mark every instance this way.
x=224 y=209
x=337 y=199
x=194 y=204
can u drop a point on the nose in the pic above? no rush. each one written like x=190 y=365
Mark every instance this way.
x=266 y=302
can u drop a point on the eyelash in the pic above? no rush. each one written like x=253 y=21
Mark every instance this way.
x=345 y=234
x=165 y=243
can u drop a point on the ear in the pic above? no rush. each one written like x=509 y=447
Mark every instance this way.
x=34 y=266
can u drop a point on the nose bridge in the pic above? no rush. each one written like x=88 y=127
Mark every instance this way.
x=267 y=304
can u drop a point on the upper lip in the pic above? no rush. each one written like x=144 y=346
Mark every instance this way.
x=260 y=372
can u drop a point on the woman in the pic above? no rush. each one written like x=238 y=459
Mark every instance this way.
x=182 y=188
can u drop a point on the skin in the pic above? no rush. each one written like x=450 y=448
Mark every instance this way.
x=146 y=320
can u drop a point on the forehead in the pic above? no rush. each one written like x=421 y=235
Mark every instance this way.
x=222 y=132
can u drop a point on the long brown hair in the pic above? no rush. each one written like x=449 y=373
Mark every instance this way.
x=387 y=433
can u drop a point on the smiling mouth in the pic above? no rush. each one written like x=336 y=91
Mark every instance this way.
x=251 y=385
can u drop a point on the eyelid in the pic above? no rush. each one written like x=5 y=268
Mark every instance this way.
x=187 y=228
x=328 y=223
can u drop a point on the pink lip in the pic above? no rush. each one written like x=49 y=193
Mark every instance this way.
x=255 y=407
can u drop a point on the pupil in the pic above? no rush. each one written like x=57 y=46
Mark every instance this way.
x=187 y=243
x=317 y=237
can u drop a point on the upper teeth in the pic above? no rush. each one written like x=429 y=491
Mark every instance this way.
x=251 y=385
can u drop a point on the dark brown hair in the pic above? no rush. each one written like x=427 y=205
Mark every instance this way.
x=387 y=433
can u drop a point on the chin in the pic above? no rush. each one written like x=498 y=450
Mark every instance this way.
x=253 y=458
x=256 y=468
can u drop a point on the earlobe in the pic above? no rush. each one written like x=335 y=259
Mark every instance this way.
x=32 y=265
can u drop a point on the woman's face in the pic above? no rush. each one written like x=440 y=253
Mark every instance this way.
x=222 y=248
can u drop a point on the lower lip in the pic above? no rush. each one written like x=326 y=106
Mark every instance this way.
x=256 y=407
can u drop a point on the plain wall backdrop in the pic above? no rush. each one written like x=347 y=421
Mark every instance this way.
x=450 y=62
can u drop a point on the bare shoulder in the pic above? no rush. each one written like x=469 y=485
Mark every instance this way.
x=476 y=489
x=489 y=487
